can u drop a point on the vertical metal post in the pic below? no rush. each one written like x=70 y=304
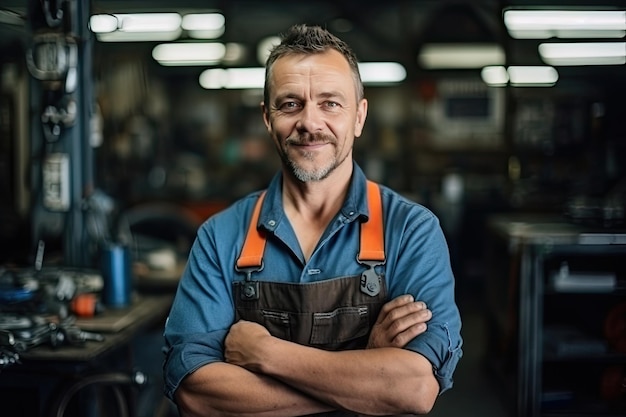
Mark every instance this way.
x=76 y=245
x=61 y=105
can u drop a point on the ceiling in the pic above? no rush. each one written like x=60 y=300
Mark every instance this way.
x=386 y=30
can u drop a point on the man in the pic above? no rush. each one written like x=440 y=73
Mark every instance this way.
x=313 y=296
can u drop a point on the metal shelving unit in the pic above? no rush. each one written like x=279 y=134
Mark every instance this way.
x=538 y=316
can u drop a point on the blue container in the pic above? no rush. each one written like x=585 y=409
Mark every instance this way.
x=117 y=276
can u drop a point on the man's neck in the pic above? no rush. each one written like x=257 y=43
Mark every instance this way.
x=311 y=206
x=316 y=200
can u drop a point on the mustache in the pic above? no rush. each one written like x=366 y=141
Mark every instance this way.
x=308 y=138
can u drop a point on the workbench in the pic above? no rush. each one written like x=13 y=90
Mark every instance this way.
x=80 y=379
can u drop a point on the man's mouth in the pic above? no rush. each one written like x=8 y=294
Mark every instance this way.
x=310 y=145
x=311 y=142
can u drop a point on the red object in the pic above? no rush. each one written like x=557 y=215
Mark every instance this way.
x=85 y=305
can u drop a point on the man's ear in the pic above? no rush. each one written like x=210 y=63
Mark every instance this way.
x=361 y=115
x=266 y=115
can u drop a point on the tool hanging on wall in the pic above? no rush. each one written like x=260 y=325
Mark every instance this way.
x=53 y=59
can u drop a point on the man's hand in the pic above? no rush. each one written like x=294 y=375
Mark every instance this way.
x=241 y=344
x=399 y=321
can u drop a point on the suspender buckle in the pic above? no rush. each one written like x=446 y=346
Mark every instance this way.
x=249 y=290
x=370 y=281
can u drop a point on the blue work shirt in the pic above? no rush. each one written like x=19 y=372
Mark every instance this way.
x=417 y=263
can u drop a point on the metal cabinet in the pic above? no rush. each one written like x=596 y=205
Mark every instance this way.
x=557 y=311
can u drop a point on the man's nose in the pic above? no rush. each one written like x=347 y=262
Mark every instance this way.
x=310 y=119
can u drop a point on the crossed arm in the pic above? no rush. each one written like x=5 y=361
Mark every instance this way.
x=267 y=376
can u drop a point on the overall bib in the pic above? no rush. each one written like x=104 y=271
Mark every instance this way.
x=335 y=314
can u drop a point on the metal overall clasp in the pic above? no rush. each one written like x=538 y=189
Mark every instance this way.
x=249 y=290
x=370 y=281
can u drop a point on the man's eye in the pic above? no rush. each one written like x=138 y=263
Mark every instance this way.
x=289 y=106
x=332 y=104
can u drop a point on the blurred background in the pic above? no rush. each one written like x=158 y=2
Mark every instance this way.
x=133 y=121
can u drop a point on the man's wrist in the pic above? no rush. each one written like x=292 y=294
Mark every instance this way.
x=268 y=347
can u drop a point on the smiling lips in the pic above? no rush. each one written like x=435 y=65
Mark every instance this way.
x=309 y=141
x=310 y=145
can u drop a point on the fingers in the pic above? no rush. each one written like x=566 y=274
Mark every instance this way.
x=400 y=308
x=407 y=326
x=399 y=321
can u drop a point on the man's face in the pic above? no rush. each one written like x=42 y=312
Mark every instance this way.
x=313 y=113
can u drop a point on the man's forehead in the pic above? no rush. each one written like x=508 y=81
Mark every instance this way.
x=319 y=71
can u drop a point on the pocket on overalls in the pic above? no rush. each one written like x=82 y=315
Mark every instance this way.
x=339 y=326
x=277 y=323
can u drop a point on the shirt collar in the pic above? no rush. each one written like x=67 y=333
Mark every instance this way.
x=354 y=206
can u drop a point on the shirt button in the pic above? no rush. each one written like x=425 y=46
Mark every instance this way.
x=351 y=213
x=272 y=223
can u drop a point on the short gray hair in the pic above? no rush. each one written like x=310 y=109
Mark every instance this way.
x=303 y=39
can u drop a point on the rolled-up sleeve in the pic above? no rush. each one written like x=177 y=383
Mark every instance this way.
x=201 y=314
x=423 y=269
x=185 y=354
x=442 y=349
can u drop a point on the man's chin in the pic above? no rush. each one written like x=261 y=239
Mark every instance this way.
x=310 y=175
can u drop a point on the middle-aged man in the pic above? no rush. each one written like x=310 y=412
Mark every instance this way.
x=326 y=293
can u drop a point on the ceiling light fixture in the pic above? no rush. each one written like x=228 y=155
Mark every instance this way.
x=149 y=22
x=136 y=27
x=583 y=53
x=235 y=53
x=103 y=23
x=204 y=25
x=520 y=76
x=532 y=76
x=189 y=53
x=544 y=24
x=372 y=73
x=264 y=47
x=460 y=55
x=495 y=76
x=233 y=78
x=381 y=72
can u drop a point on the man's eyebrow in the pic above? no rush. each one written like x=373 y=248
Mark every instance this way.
x=331 y=94
x=282 y=97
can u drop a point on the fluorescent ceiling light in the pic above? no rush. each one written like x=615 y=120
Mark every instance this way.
x=264 y=47
x=204 y=25
x=137 y=27
x=233 y=78
x=544 y=24
x=235 y=53
x=189 y=53
x=203 y=21
x=520 y=76
x=381 y=72
x=495 y=76
x=149 y=22
x=251 y=78
x=103 y=23
x=583 y=53
x=535 y=76
x=156 y=26
x=119 y=36
x=442 y=56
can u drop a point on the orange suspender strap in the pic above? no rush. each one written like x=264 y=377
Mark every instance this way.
x=254 y=245
x=372 y=236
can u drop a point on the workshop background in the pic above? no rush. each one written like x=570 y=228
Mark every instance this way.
x=113 y=151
